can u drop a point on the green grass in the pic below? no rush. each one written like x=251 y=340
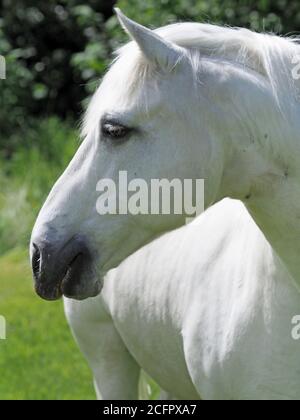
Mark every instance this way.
x=39 y=360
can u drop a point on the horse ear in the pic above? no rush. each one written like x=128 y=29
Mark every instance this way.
x=156 y=49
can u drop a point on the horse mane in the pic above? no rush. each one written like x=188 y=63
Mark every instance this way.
x=267 y=54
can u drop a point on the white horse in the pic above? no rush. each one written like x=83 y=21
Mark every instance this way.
x=187 y=101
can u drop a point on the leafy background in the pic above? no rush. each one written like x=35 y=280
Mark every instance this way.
x=56 y=54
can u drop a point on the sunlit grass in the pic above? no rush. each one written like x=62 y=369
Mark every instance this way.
x=39 y=360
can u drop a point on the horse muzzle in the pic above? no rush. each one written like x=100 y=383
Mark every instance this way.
x=63 y=270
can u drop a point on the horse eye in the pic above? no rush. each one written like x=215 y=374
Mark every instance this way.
x=115 y=130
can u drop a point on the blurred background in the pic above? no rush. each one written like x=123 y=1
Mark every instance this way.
x=56 y=53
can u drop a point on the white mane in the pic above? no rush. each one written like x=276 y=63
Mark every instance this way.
x=270 y=55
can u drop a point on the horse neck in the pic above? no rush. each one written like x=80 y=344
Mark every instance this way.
x=279 y=219
x=263 y=170
x=274 y=202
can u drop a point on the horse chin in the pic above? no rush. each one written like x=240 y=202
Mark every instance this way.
x=79 y=283
x=81 y=291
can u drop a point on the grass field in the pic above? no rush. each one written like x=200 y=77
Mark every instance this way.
x=39 y=360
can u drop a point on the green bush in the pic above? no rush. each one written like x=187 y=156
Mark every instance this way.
x=43 y=42
x=264 y=15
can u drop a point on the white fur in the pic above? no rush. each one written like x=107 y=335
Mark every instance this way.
x=205 y=310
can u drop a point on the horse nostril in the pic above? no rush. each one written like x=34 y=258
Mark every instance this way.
x=36 y=261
